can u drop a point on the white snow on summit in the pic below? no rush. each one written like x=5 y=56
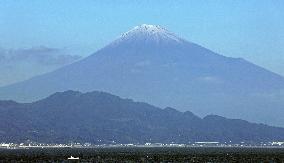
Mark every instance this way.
x=154 y=33
x=145 y=28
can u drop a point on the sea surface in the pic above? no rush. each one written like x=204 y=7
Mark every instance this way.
x=145 y=154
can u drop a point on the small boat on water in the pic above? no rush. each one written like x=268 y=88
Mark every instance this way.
x=73 y=158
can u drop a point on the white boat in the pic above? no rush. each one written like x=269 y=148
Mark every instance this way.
x=73 y=158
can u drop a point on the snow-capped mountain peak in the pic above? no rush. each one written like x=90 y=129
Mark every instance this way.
x=149 y=33
x=146 y=28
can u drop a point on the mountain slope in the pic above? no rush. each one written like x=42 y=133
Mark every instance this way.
x=100 y=117
x=151 y=64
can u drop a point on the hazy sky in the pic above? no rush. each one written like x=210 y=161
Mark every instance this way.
x=251 y=29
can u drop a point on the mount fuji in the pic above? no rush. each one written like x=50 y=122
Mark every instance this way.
x=151 y=64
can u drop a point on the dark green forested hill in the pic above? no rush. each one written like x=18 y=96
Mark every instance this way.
x=100 y=117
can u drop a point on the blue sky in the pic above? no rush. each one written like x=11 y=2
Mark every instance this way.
x=251 y=29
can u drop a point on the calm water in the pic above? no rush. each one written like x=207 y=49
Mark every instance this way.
x=141 y=154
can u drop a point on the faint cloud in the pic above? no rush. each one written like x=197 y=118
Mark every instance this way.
x=272 y=96
x=210 y=79
x=41 y=55
x=135 y=71
x=21 y=64
x=143 y=63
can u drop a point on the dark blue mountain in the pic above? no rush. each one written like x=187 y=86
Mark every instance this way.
x=151 y=64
